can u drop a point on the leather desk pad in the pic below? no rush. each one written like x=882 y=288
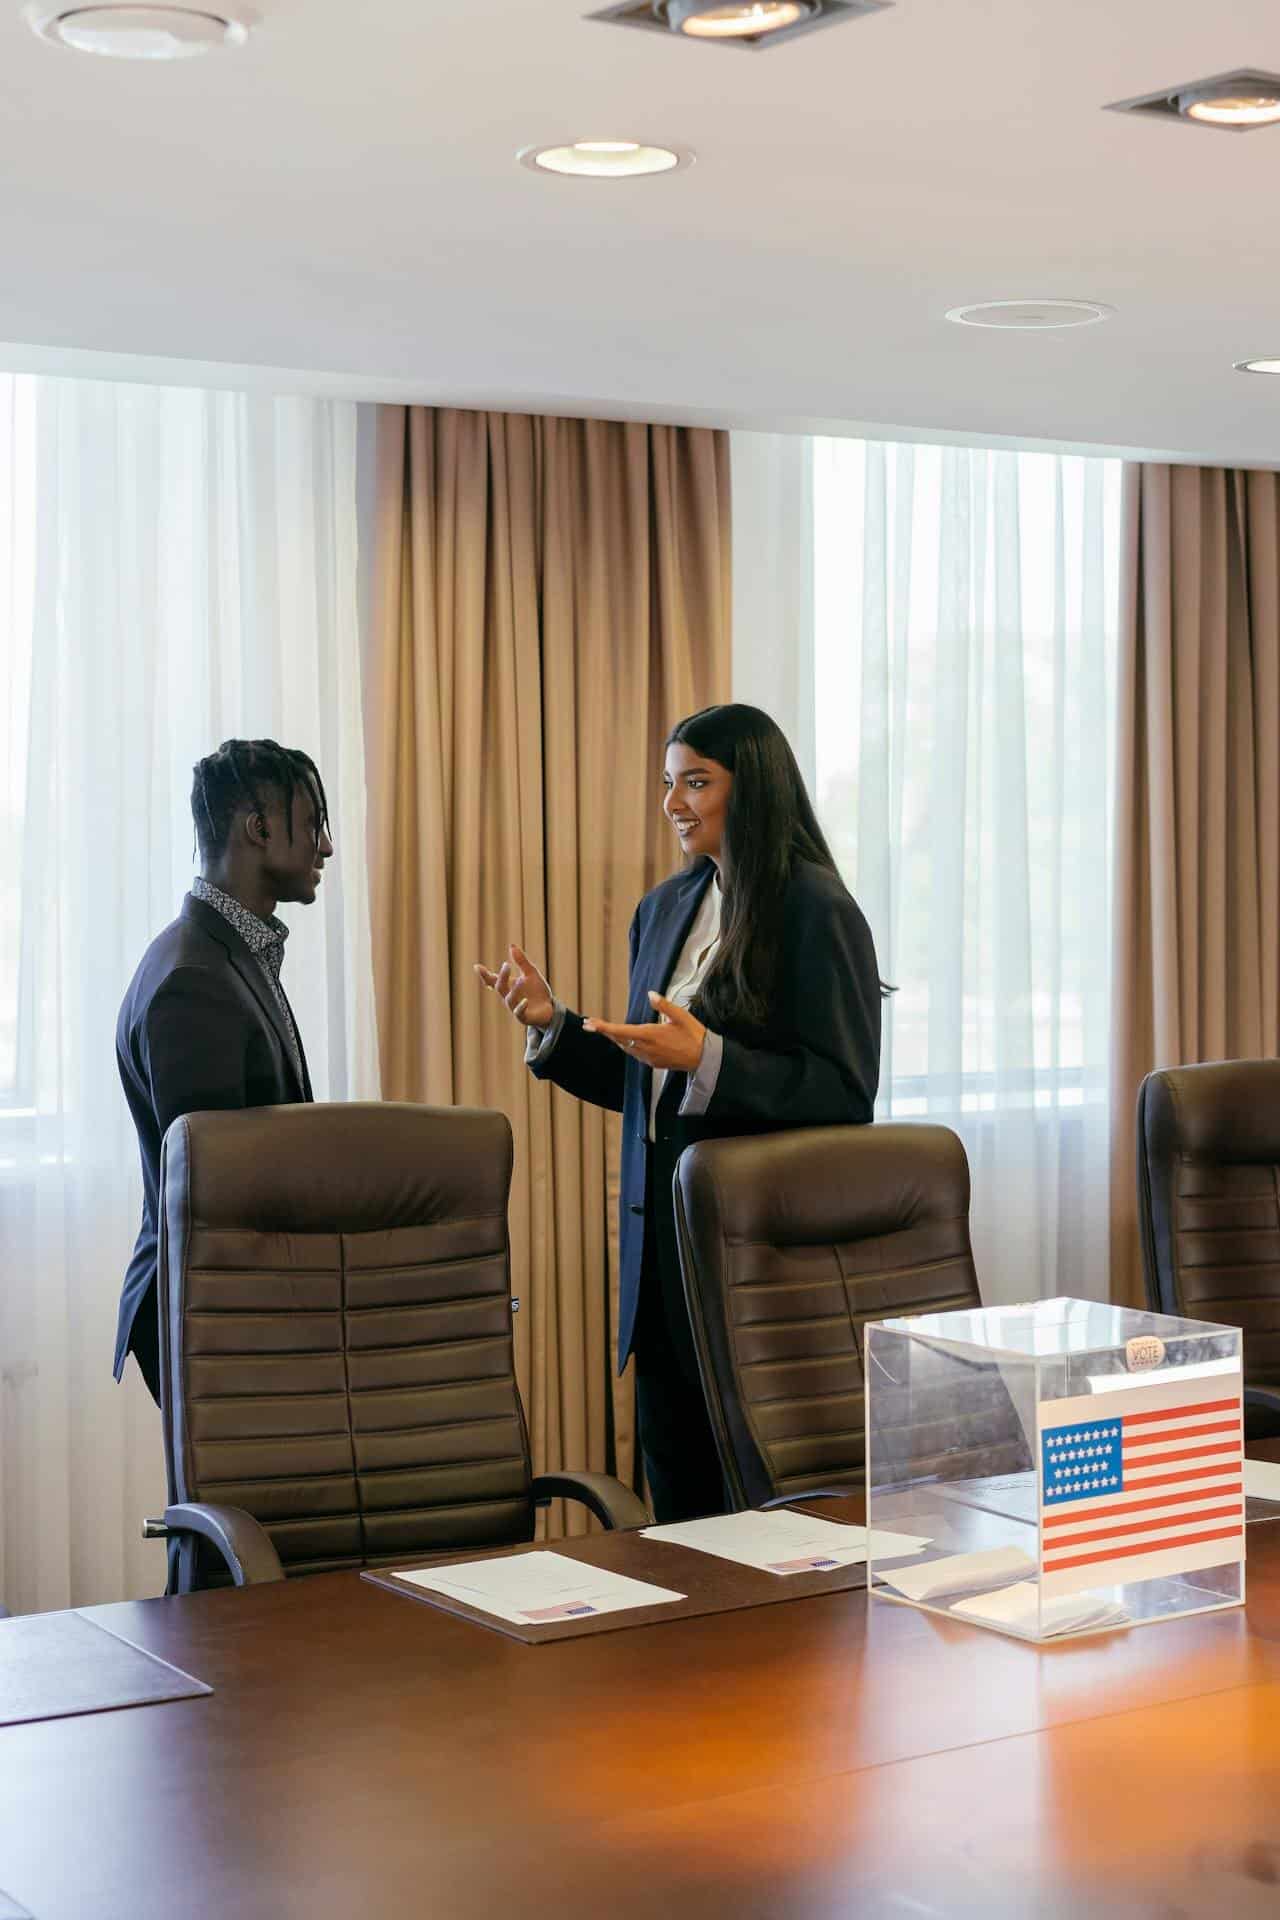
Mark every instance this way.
x=709 y=1584
x=55 y=1664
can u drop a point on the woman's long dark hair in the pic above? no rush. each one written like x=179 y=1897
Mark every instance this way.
x=769 y=825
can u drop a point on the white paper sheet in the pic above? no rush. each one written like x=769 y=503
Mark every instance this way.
x=959 y=1573
x=1262 y=1479
x=785 y=1542
x=538 y=1589
x=1013 y=1610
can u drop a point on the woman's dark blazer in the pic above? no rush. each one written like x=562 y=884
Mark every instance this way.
x=816 y=1064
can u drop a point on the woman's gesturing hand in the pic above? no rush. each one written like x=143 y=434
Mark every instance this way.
x=522 y=988
x=673 y=1042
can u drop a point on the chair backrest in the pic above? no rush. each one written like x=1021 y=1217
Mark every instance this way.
x=336 y=1340
x=789 y=1244
x=1209 y=1200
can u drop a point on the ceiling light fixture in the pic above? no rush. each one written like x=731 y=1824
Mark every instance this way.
x=1031 y=316
x=605 y=159
x=736 y=20
x=1238 y=102
x=139 y=32
x=751 y=25
x=1258 y=366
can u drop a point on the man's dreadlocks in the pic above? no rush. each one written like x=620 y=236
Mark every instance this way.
x=235 y=778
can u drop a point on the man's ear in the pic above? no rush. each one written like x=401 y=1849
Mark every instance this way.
x=256 y=830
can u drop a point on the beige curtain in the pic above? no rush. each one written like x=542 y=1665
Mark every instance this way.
x=548 y=597
x=1197 y=879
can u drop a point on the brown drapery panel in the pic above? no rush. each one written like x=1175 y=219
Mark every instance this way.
x=1197 y=875
x=548 y=597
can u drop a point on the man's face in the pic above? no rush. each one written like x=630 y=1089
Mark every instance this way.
x=293 y=868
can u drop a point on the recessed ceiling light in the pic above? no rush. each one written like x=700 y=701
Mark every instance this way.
x=1237 y=102
x=1031 y=315
x=733 y=19
x=752 y=25
x=605 y=159
x=1258 y=366
x=139 y=32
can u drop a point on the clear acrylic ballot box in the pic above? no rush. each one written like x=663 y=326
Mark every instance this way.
x=1074 y=1467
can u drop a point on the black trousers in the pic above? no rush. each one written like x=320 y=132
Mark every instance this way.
x=681 y=1462
x=144 y=1343
x=681 y=1465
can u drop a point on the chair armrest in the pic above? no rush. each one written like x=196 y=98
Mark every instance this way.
x=1264 y=1401
x=246 y=1547
x=811 y=1493
x=611 y=1502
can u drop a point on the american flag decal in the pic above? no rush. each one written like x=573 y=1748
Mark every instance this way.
x=1140 y=1484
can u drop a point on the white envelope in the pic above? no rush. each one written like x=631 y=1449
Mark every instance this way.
x=959 y=1573
x=1262 y=1479
x=1013 y=1610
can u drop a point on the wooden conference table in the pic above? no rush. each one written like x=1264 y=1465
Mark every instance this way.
x=364 y=1754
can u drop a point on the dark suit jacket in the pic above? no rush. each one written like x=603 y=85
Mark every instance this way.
x=199 y=1029
x=817 y=1064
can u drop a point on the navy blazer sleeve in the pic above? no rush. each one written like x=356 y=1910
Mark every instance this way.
x=586 y=1064
x=818 y=1061
x=196 y=1040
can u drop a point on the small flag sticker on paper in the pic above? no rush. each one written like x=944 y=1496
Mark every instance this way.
x=565 y=1610
x=1140 y=1484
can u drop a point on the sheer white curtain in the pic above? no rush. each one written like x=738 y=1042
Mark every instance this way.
x=951 y=695
x=178 y=567
x=965 y=631
x=773 y=583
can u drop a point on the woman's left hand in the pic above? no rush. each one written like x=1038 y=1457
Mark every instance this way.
x=672 y=1043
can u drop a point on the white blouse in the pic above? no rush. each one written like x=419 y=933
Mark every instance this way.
x=687 y=975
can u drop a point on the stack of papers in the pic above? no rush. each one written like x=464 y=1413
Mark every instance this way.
x=538 y=1589
x=785 y=1542
x=960 y=1573
x=1013 y=1610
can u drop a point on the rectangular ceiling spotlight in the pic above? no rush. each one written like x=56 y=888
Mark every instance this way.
x=1236 y=102
x=819 y=13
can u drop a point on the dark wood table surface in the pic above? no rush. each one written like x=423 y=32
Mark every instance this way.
x=366 y=1755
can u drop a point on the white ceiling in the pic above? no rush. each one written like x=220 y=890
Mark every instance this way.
x=342 y=199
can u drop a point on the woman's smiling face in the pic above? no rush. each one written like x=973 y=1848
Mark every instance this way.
x=697 y=800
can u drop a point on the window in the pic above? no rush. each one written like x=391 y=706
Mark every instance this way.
x=178 y=566
x=17 y=571
x=936 y=629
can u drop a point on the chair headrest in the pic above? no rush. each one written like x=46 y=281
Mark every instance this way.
x=816 y=1185
x=344 y=1168
x=1227 y=1110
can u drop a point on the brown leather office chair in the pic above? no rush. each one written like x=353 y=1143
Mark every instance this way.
x=336 y=1346
x=789 y=1244
x=1209 y=1209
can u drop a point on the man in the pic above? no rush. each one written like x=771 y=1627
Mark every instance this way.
x=205 y=1023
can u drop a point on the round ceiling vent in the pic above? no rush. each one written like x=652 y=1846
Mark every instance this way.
x=1031 y=316
x=139 y=32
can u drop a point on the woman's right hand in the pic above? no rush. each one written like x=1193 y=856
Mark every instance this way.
x=522 y=989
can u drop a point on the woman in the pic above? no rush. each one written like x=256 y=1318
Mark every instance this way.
x=755 y=1006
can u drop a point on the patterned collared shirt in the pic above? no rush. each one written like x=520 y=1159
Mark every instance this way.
x=265 y=940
